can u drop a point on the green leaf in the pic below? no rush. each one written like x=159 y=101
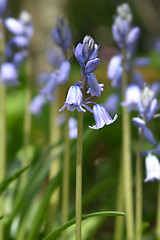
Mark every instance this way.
x=57 y=232
x=43 y=206
x=4 y=184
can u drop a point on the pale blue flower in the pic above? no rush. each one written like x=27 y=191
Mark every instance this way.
x=94 y=88
x=37 y=104
x=152 y=168
x=9 y=74
x=14 y=26
x=101 y=117
x=73 y=99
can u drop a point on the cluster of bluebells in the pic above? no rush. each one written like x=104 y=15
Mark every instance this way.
x=126 y=38
x=86 y=54
x=16 y=47
x=49 y=81
x=147 y=107
x=139 y=97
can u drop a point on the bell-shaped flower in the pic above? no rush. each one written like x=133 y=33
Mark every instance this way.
x=138 y=122
x=133 y=36
x=152 y=109
x=50 y=87
x=155 y=87
x=73 y=99
x=61 y=34
x=94 y=88
x=148 y=135
x=132 y=97
x=19 y=57
x=73 y=128
x=141 y=62
x=113 y=66
x=19 y=42
x=152 y=168
x=63 y=72
x=91 y=65
x=8 y=74
x=78 y=54
x=101 y=117
x=14 y=26
x=138 y=80
x=37 y=104
x=112 y=102
x=3 y=5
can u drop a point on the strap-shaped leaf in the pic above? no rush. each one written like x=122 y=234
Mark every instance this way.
x=57 y=232
x=4 y=184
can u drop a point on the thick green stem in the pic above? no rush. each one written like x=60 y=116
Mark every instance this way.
x=79 y=177
x=66 y=170
x=126 y=156
x=119 y=221
x=138 y=232
x=158 y=214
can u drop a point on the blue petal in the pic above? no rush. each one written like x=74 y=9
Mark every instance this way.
x=37 y=104
x=147 y=134
x=153 y=108
x=95 y=89
x=91 y=65
x=9 y=74
x=56 y=36
x=138 y=122
x=14 y=26
x=3 y=5
x=133 y=36
x=78 y=54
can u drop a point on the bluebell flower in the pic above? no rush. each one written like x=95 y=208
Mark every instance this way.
x=8 y=74
x=141 y=62
x=132 y=97
x=55 y=57
x=36 y=105
x=19 y=57
x=138 y=80
x=26 y=19
x=111 y=103
x=91 y=65
x=3 y=5
x=61 y=34
x=50 y=87
x=152 y=168
x=73 y=99
x=19 y=42
x=155 y=87
x=101 y=117
x=73 y=128
x=138 y=122
x=115 y=71
x=63 y=72
x=132 y=36
x=14 y=26
x=94 y=88
x=148 y=135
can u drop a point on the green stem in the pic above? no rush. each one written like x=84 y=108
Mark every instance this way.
x=2 y=129
x=79 y=177
x=55 y=166
x=2 y=150
x=158 y=214
x=27 y=115
x=66 y=170
x=138 y=232
x=119 y=222
x=126 y=156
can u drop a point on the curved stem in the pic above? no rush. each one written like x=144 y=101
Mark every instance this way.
x=126 y=156
x=66 y=170
x=79 y=177
x=138 y=232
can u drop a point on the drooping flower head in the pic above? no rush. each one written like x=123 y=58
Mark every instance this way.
x=152 y=168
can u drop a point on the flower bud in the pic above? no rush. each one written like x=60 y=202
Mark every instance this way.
x=88 y=47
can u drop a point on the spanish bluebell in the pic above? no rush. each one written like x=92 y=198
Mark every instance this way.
x=152 y=168
x=73 y=99
x=36 y=105
x=101 y=117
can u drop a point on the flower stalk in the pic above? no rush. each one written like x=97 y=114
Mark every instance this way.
x=2 y=131
x=79 y=177
x=126 y=156
x=66 y=171
x=138 y=226
x=158 y=214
